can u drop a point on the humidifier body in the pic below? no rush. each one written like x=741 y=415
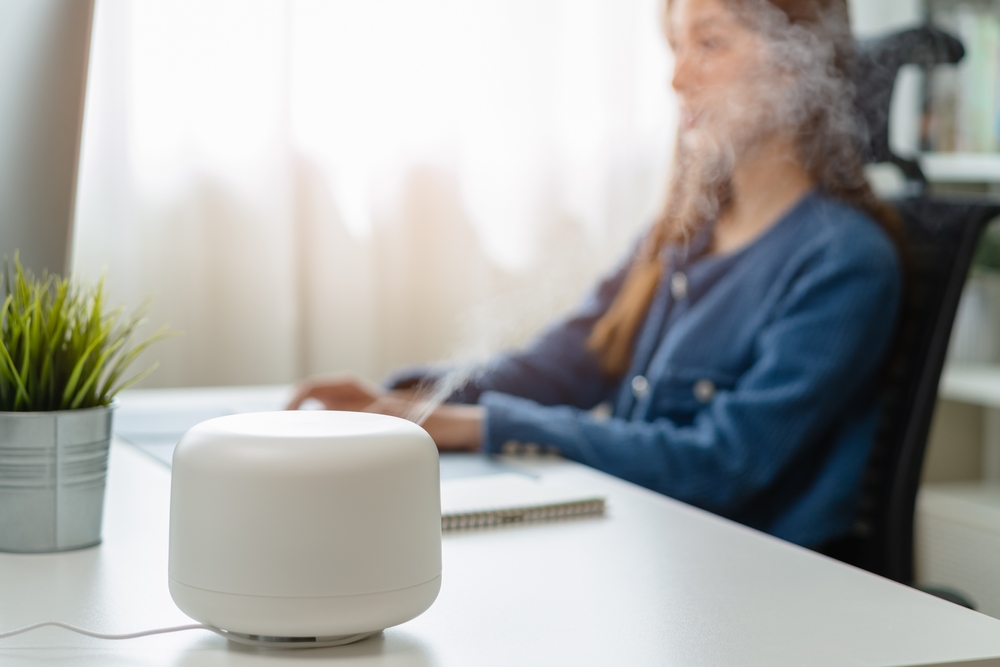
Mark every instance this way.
x=305 y=524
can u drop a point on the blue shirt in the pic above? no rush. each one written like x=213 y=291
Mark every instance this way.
x=753 y=386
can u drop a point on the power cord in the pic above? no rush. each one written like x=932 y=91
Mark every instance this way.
x=249 y=640
x=100 y=635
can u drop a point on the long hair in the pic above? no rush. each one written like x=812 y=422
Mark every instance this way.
x=812 y=39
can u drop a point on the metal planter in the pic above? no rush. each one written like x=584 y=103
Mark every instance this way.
x=53 y=467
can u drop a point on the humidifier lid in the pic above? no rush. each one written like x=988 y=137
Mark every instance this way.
x=297 y=439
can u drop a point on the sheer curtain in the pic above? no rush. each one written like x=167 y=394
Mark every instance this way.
x=307 y=186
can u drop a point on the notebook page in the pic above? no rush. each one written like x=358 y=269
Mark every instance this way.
x=511 y=498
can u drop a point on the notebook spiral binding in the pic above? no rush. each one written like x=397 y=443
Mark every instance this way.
x=492 y=518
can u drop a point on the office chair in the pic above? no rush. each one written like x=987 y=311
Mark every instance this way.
x=942 y=234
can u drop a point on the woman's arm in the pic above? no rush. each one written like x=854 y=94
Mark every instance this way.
x=555 y=369
x=824 y=347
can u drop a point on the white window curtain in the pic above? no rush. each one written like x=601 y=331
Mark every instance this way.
x=308 y=186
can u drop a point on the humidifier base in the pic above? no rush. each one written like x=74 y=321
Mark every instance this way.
x=264 y=641
x=330 y=618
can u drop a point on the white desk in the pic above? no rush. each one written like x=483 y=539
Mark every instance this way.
x=654 y=583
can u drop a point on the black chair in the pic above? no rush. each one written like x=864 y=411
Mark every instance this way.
x=942 y=235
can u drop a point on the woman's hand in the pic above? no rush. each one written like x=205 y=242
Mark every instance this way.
x=338 y=392
x=453 y=427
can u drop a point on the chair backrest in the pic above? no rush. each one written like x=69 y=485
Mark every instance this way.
x=942 y=237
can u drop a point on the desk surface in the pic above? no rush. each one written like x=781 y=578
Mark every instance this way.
x=654 y=583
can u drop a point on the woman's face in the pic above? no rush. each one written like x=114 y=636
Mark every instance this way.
x=724 y=79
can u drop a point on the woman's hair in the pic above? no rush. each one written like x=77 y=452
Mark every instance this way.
x=812 y=40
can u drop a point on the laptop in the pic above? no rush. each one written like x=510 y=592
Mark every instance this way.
x=154 y=420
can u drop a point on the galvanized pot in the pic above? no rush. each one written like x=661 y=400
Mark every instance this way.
x=53 y=466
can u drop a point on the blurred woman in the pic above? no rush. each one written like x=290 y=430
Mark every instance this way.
x=740 y=344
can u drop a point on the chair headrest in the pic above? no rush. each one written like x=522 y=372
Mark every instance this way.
x=878 y=64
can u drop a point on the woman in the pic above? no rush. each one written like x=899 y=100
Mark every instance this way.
x=741 y=343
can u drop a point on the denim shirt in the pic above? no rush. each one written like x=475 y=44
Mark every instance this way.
x=753 y=386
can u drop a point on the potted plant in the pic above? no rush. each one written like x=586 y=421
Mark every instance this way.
x=63 y=357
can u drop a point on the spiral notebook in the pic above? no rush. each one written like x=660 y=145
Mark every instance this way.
x=497 y=500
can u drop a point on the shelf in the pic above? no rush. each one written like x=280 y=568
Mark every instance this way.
x=961 y=167
x=974 y=503
x=957 y=539
x=978 y=384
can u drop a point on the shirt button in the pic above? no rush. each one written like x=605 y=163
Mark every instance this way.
x=640 y=387
x=511 y=447
x=679 y=285
x=704 y=390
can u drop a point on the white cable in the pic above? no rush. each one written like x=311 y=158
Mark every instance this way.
x=99 y=635
x=250 y=640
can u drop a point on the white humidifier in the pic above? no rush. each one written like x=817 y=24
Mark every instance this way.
x=305 y=528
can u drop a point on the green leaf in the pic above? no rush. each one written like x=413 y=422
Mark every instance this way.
x=131 y=381
x=22 y=392
x=74 y=377
x=60 y=347
x=92 y=378
x=108 y=390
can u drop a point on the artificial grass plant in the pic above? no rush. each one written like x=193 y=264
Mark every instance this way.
x=59 y=348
